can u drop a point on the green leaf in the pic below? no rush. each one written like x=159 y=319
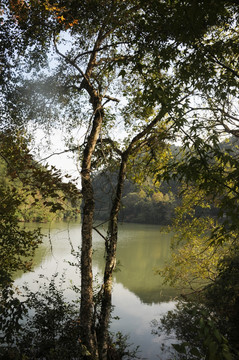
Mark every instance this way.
x=180 y=348
x=195 y=352
x=122 y=73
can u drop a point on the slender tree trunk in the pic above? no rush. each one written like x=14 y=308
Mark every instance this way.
x=110 y=247
x=87 y=335
x=112 y=238
x=87 y=325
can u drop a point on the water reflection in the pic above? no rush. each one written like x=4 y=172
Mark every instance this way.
x=141 y=250
x=135 y=319
x=138 y=295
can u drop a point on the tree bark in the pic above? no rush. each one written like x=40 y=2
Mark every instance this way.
x=112 y=238
x=110 y=247
x=87 y=325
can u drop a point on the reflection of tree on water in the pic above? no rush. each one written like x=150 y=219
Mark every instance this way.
x=54 y=242
x=141 y=250
x=42 y=252
x=135 y=241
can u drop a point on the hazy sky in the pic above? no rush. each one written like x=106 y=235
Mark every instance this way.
x=48 y=150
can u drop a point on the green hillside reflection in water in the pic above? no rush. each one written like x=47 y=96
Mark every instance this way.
x=141 y=250
x=138 y=294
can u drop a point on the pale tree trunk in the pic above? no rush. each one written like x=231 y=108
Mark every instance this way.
x=87 y=326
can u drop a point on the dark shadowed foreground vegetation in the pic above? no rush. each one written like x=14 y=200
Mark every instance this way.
x=124 y=80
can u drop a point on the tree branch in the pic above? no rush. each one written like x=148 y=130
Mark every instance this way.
x=98 y=231
x=112 y=143
x=89 y=52
x=110 y=98
x=213 y=109
x=224 y=66
x=59 y=153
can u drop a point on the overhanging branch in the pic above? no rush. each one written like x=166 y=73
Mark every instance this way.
x=59 y=153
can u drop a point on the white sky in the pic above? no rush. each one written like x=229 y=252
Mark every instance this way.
x=48 y=146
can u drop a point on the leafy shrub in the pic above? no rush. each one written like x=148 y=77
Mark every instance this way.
x=43 y=325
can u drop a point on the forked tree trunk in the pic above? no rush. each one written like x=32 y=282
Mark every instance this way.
x=112 y=237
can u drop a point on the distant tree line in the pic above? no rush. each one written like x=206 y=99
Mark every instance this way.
x=150 y=202
x=140 y=204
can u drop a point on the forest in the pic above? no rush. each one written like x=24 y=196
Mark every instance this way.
x=146 y=95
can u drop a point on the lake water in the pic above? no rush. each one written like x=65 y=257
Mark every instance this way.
x=138 y=296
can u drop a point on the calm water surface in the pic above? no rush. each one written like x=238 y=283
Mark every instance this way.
x=138 y=295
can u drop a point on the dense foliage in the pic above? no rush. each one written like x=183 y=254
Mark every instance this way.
x=45 y=325
x=29 y=192
x=145 y=203
x=205 y=258
x=42 y=194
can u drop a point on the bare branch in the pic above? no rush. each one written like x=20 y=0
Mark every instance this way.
x=67 y=59
x=213 y=109
x=108 y=46
x=234 y=132
x=98 y=231
x=110 y=98
x=59 y=153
